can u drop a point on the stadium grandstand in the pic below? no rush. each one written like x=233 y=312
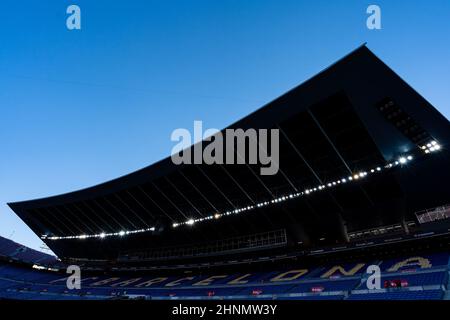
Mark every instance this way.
x=362 y=181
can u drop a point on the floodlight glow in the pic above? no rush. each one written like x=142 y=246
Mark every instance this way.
x=431 y=147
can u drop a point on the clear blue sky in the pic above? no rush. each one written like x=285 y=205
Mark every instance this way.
x=82 y=107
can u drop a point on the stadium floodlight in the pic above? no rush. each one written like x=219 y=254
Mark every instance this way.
x=217 y=215
x=432 y=146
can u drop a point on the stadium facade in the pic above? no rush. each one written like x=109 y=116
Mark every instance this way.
x=363 y=169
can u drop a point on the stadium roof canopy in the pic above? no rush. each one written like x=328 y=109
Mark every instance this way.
x=350 y=119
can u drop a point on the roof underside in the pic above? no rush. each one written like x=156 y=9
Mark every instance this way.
x=330 y=127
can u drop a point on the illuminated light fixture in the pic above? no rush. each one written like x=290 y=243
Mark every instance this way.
x=310 y=191
x=217 y=215
x=35 y=266
x=432 y=146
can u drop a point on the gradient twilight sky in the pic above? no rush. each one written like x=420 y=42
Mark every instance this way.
x=82 y=107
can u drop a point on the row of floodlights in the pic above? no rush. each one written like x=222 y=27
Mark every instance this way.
x=360 y=175
x=100 y=235
x=430 y=147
